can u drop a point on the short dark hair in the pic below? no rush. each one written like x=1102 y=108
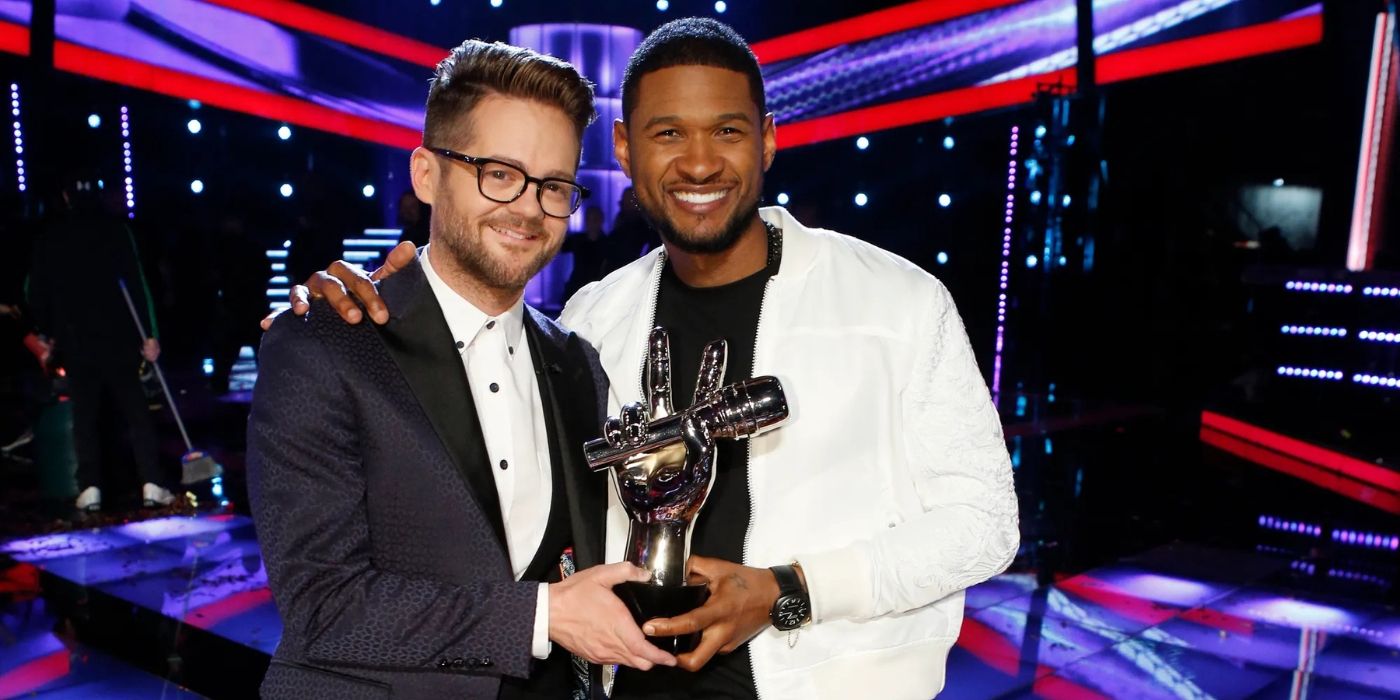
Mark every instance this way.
x=478 y=69
x=692 y=41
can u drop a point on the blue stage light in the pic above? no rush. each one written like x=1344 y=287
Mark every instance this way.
x=94 y=120
x=782 y=198
x=1032 y=261
x=1040 y=132
x=1278 y=182
x=1035 y=197
x=663 y=5
x=948 y=143
x=720 y=6
x=861 y=199
x=195 y=104
x=942 y=258
x=194 y=126
x=367 y=191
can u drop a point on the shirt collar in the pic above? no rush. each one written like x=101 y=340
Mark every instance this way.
x=464 y=319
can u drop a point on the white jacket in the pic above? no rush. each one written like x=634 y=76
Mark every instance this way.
x=890 y=482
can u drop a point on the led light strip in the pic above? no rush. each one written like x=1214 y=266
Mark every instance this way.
x=1381 y=291
x=126 y=164
x=1380 y=336
x=1007 y=218
x=19 y=136
x=1376 y=380
x=1367 y=539
x=1311 y=373
x=1271 y=523
x=1315 y=330
x=1323 y=287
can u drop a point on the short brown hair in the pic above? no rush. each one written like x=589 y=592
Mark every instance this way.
x=477 y=69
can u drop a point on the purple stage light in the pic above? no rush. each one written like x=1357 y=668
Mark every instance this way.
x=1380 y=336
x=1376 y=380
x=1381 y=291
x=1310 y=373
x=1326 y=331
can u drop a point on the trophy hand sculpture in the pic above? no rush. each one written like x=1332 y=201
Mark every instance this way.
x=663 y=464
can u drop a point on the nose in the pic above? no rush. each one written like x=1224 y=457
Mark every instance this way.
x=527 y=205
x=700 y=161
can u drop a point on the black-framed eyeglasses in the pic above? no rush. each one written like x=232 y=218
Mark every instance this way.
x=504 y=183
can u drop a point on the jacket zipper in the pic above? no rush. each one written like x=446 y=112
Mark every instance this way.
x=748 y=531
x=646 y=332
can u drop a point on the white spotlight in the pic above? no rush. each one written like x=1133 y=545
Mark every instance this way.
x=948 y=143
x=782 y=198
x=196 y=186
x=285 y=189
x=944 y=200
x=942 y=258
x=720 y=6
x=861 y=199
x=663 y=5
x=94 y=120
x=284 y=132
x=194 y=126
x=862 y=143
x=496 y=3
x=368 y=191
x=1278 y=182
x=1032 y=261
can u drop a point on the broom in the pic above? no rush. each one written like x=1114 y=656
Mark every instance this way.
x=195 y=465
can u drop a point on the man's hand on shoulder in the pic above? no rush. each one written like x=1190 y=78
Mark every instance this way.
x=342 y=284
x=740 y=599
x=588 y=619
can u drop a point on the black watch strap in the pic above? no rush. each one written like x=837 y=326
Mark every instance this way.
x=792 y=598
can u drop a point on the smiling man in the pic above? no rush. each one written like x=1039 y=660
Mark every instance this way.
x=837 y=548
x=418 y=525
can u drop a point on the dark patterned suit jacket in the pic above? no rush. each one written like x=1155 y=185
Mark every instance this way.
x=376 y=509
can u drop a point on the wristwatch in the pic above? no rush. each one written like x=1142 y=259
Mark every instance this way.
x=793 y=608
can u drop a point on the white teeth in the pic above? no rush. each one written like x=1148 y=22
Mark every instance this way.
x=700 y=198
x=512 y=234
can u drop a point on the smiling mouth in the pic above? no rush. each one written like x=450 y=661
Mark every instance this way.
x=699 y=199
x=514 y=234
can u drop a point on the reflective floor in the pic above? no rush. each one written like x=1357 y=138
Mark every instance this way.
x=1175 y=622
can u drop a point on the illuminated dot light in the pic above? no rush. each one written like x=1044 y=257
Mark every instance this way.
x=367 y=191
x=1381 y=291
x=663 y=5
x=194 y=126
x=1373 y=540
x=783 y=198
x=285 y=189
x=94 y=120
x=1269 y=522
x=126 y=164
x=196 y=186
x=862 y=143
x=496 y=3
x=1358 y=576
x=861 y=199
x=19 y=137
x=721 y=6
x=1311 y=373
x=1007 y=216
x=1376 y=380
x=1315 y=330
x=1380 y=336
x=945 y=201
x=1322 y=287
x=942 y=258
x=948 y=143
x=1304 y=567
x=284 y=132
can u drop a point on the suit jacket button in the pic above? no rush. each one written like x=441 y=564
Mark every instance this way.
x=444 y=663
x=485 y=661
x=459 y=663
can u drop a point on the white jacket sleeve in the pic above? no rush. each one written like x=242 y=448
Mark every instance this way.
x=957 y=458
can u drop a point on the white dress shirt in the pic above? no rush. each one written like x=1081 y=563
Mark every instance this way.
x=501 y=375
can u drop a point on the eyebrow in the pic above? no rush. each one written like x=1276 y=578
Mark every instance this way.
x=554 y=174
x=675 y=119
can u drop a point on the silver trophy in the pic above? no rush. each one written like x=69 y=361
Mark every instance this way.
x=663 y=464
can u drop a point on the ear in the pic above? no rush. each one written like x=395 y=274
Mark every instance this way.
x=423 y=173
x=621 y=147
x=770 y=141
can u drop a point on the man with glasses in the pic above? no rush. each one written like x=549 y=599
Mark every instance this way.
x=423 y=525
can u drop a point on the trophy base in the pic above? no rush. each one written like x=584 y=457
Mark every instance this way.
x=647 y=602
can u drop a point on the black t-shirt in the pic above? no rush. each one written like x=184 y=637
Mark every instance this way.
x=694 y=317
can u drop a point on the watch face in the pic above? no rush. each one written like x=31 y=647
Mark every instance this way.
x=790 y=612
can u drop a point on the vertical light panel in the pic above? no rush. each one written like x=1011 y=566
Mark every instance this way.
x=19 y=137
x=126 y=164
x=1359 y=249
x=1008 y=216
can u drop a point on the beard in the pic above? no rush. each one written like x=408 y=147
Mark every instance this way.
x=693 y=243
x=463 y=240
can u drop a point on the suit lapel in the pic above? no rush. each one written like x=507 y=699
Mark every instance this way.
x=568 y=398
x=423 y=348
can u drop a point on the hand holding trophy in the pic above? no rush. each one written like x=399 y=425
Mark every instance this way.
x=663 y=464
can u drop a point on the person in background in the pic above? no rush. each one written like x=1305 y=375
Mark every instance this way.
x=591 y=250
x=79 y=261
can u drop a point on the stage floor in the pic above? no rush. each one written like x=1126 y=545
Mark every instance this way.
x=1175 y=622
